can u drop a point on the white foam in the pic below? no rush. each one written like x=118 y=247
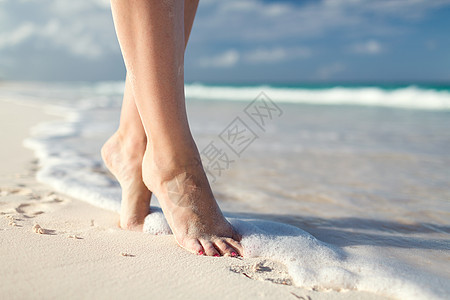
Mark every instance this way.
x=411 y=97
x=67 y=170
x=156 y=224
x=319 y=266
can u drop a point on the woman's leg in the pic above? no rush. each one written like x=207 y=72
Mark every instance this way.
x=124 y=150
x=151 y=35
x=122 y=154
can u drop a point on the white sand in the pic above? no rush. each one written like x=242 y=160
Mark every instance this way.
x=81 y=254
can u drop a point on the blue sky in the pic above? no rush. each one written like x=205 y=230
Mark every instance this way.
x=240 y=41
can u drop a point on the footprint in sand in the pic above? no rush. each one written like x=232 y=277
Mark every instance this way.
x=27 y=202
x=264 y=270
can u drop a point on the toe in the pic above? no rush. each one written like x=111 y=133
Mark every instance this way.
x=236 y=246
x=224 y=248
x=210 y=250
x=194 y=246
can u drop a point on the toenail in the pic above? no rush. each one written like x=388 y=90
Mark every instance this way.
x=216 y=255
x=200 y=252
x=233 y=254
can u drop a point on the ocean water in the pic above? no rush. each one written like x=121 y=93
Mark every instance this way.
x=348 y=186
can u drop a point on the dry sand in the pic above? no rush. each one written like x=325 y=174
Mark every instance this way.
x=79 y=252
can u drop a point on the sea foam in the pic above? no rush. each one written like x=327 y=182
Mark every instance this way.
x=411 y=97
x=66 y=169
x=319 y=266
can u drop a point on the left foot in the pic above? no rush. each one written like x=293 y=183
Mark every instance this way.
x=123 y=157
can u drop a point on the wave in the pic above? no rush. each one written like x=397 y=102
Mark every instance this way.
x=411 y=97
x=434 y=98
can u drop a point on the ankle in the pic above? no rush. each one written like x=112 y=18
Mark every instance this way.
x=131 y=143
x=172 y=159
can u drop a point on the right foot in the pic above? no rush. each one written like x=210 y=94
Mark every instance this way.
x=123 y=158
x=190 y=208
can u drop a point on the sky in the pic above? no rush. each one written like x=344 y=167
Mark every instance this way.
x=239 y=41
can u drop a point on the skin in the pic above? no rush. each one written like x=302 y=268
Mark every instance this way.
x=124 y=150
x=153 y=149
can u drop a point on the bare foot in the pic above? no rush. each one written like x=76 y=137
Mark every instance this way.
x=190 y=208
x=123 y=157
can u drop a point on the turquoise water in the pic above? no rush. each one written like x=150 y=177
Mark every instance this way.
x=438 y=86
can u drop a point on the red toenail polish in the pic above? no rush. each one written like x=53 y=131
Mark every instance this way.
x=216 y=255
x=233 y=254
x=200 y=252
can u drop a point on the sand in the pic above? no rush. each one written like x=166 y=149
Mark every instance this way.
x=79 y=251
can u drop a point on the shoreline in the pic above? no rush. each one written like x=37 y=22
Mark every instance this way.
x=83 y=253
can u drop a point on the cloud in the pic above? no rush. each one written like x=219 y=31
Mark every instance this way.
x=371 y=47
x=225 y=34
x=17 y=36
x=226 y=59
x=411 y=9
x=253 y=21
x=79 y=28
x=328 y=71
x=231 y=57
x=275 y=55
